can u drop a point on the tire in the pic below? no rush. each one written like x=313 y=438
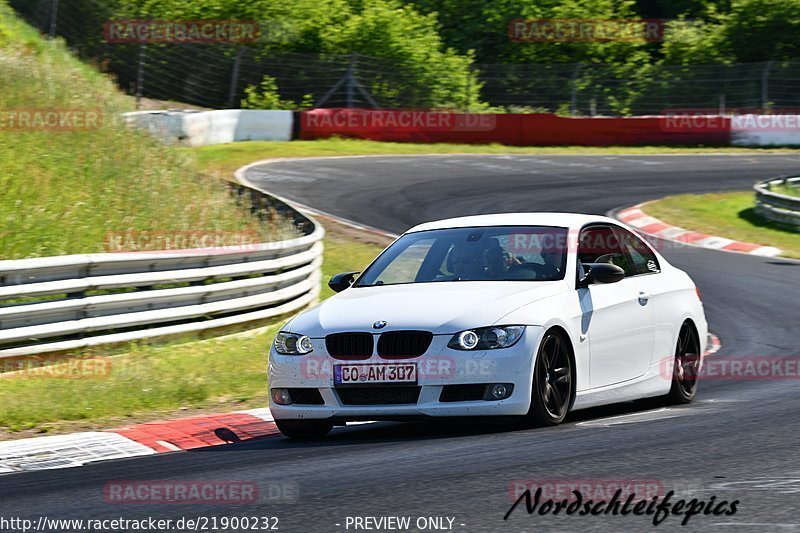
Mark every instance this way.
x=553 y=388
x=686 y=369
x=304 y=429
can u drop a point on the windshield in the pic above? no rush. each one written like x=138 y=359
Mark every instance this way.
x=498 y=253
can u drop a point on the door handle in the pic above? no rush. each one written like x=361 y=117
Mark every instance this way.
x=644 y=297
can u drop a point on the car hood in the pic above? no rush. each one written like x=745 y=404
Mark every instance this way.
x=446 y=307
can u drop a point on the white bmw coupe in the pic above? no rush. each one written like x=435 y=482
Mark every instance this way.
x=522 y=315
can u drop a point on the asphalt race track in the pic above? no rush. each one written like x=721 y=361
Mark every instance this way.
x=737 y=441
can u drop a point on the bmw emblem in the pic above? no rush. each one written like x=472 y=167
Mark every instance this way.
x=380 y=324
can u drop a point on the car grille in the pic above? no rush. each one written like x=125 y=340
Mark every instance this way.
x=378 y=395
x=462 y=393
x=404 y=344
x=306 y=396
x=350 y=346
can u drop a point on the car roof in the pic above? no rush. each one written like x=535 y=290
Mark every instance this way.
x=563 y=220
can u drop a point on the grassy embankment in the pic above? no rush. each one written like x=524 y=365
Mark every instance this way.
x=62 y=191
x=728 y=215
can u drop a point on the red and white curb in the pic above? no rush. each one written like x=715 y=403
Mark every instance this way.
x=78 y=449
x=202 y=431
x=637 y=218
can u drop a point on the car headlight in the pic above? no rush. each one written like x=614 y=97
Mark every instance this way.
x=487 y=338
x=292 y=344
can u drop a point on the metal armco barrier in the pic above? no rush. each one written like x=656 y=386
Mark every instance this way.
x=781 y=208
x=155 y=294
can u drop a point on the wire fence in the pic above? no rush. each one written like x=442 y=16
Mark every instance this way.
x=216 y=76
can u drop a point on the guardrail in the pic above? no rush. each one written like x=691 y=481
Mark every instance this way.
x=156 y=294
x=781 y=208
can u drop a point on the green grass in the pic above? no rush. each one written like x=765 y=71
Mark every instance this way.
x=228 y=157
x=728 y=215
x=152 y=381
x=63 y=191
x=145 y=380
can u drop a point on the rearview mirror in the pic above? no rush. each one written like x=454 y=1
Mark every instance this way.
x=601 y=273
x=342 y=281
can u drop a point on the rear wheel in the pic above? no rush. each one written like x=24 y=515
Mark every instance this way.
x=553 y=382
x=687 y=366
x=304 y=429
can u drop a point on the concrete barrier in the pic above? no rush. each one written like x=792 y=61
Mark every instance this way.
x=204 y=128
x=765 y=130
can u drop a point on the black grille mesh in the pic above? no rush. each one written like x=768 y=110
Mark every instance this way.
x=378 y=395
x=350 y=346
x=404 y=344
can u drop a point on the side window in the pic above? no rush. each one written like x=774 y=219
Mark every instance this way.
x=599 y=244
x=643 y=260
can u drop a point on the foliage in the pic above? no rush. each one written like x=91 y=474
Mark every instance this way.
x=421 y=64
x=425 y=50
x=751 y=30
x=266 y=96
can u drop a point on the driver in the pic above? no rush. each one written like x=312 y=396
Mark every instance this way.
x=478 y=260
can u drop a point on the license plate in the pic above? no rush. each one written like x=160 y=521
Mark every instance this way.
x=364 y=374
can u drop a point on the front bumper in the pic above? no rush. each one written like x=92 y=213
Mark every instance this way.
x=438 y=367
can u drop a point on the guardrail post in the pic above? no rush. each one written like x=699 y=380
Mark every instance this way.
x=573 y=107
x=468 y=89
x=350 y=79
x=765 y=86
x=53 y=19
x=140 y=75
x=234 y=85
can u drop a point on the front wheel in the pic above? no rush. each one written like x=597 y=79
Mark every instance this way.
x=304 y=429
x=687 y=366
x=553 y=382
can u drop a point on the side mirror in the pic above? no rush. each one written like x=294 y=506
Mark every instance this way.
x=601 y=273
x=342 y=281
